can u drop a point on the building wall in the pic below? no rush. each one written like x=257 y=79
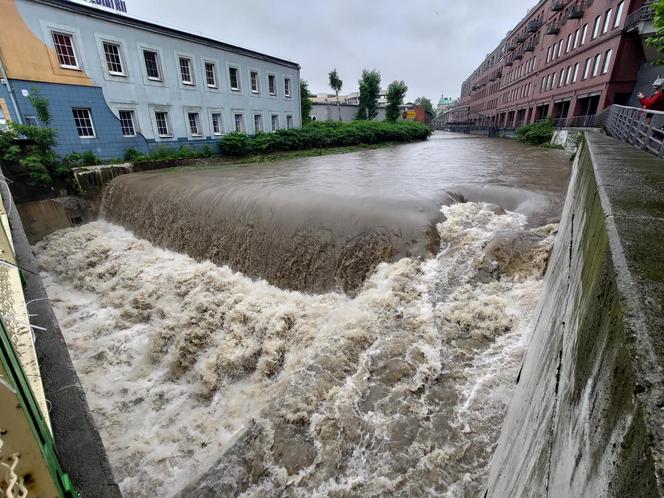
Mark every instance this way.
x=329 y=112
x=29 y=61
x=515 y=85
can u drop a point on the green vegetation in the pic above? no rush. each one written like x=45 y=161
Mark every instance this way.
x=426 y=103
x=168 y=154
x=336 y=84
x=369 y=93
x=657 y=40
x=537 y=133
x=319 y=135
x=305 y=101
x=396 y=92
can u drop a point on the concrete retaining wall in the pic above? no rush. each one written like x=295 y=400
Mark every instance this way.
x=586 y=419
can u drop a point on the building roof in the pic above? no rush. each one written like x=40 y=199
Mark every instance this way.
x=155 y=28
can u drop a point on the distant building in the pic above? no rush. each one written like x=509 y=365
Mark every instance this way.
x=330 y=112
x=114 y=82
x=445 y=104
x=414 y=112
x=565 y=59
x=352 y=98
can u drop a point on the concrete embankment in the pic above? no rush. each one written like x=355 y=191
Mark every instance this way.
x=587 y=417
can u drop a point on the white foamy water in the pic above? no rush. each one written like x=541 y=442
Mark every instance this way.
x=203 y=379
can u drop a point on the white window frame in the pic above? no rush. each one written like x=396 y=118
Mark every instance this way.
x=221 y=122
x=288 y=87
x=619 y=11
x=607 y=21
x=159 y=66
x=242 y=126
x=597 y=64
x=577 y=37
x=561 y=78
x=167 y=122
x=215 y=74
x=258 y=119
x=190 y=67
x=89 y=117
x=253 y=72
x=290 y=121
x=132 y=114
x=238 y=88
x=584 y=33
x=576 y=73
x=569 y=43
x=586 y=69
x=72 y=38
x=123 y=65
x=197 y=121
x=272 y=127
x=597 y=26
x=607 y=61
x=271 y=77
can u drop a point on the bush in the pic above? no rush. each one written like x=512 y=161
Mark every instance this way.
x=133 y=155
x=536 y=133
x=323 y=134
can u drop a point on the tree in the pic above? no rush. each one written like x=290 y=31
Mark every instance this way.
x=426 y=103
x=369 y=93
x=396 y=91
x=657 y=40
x=305 y=101
x=336 y=84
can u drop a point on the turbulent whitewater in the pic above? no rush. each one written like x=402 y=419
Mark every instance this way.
x=204 y=382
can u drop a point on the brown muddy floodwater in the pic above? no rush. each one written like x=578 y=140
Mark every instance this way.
x=317 y=224
x=207 y=320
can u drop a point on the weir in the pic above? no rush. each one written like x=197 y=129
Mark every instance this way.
x=586 y=418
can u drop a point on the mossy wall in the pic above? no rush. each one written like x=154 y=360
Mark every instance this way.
x=581 y=421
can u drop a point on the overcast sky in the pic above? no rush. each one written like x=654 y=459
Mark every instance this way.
x=433 y=45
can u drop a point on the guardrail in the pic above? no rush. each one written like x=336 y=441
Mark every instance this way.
x=644 y=14
x=642 y=128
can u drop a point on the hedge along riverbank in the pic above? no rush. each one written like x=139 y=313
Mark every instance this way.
x=323 y=135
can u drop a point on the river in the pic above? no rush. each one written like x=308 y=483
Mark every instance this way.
x=346 y=325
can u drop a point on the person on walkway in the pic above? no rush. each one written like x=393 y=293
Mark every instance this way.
x=656 y=101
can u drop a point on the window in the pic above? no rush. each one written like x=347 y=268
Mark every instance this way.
x=569 y=75
x=113 y=59
x=584 y=32
x=598 y=23
x=64 y=48
x=545 y=82
x=619 y=12
x=548 y=55
x=569 y=43
x=194 y=119
x=258 y=123
x=586 y=70
x=561 y=78
x=234 y=77
x=211 y=74
x=83 y=121
x=185 y=71
x=552 y=83
x=275 y=122
x=255 y=87
x=576 y=72
x=152 y=67
x=287 y=87
x=560 y=47
x=598 y=59
x=576 y=38
x=239 y=123
x=217 y=124
x=607 y=21
x=607 y=61
x=272 y=84
x=163 y=126
x=127 y=123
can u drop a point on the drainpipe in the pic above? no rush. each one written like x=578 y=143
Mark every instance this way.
x=12 y=96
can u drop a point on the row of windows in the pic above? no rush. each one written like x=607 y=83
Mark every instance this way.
x=517 y=93
x=571 y=74
x=65 y=49
x=522 y=70
x=578 y=38
x=128 y=123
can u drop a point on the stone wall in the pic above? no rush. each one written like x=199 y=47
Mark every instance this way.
x=586 y=418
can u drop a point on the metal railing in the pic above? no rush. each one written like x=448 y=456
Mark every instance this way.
x=587 y=121
x=644 y=14
x=642 y=128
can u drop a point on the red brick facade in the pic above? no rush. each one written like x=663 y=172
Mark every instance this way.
x=566 y=58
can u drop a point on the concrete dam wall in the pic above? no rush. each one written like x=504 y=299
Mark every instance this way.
x=587 y=417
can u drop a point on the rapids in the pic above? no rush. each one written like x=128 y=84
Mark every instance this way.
x=204 y=382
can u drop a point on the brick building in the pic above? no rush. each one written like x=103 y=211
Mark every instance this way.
x=565 y=59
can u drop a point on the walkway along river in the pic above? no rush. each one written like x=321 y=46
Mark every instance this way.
x=206 y=382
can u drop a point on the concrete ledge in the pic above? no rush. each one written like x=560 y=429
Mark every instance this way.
x=586 y=418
